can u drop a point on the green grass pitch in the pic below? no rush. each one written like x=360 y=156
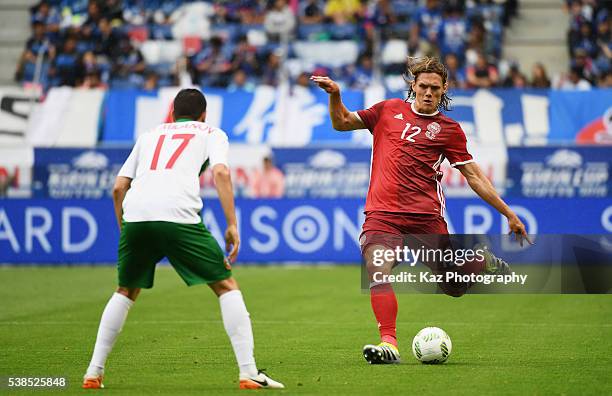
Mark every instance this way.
x=309 y=324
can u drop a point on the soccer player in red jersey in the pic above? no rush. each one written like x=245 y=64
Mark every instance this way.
x=411 y=139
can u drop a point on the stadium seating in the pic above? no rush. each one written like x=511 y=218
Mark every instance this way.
x=156 y=30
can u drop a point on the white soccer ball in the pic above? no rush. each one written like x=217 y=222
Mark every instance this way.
x=432 y=345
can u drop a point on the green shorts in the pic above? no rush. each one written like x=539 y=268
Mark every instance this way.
x=190 y=248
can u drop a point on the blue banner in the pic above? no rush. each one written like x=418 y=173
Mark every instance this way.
x=293 y=117
x=76 y=173
x=309 y=230
x=549 y=172
x=583 y=117
x=324 y=173
x=298 y=116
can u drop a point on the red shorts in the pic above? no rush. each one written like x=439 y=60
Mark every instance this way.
x=395 y=229
x=389 y=229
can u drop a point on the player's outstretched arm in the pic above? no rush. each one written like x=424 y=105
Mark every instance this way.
x=485 y=190
x=342 y=119
x=223 y=184
x=121 y=187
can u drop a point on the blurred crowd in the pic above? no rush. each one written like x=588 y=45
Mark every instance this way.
x=589 y=44
x=239 y=44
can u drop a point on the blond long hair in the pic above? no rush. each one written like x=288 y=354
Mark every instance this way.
x=416 y=66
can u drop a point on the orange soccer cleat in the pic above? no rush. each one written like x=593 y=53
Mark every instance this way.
x=93 y=383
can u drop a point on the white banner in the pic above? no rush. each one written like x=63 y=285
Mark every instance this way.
x=15 y=107
x=67 y=118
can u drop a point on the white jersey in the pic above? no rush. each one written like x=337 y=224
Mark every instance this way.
x=165 y=165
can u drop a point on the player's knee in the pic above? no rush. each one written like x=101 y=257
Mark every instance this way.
x=224 y=286
x=131 y=293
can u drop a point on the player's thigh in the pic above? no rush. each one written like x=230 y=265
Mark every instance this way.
x=138 y=254
x=196 y=255
x=378 y=242
x=377 y=260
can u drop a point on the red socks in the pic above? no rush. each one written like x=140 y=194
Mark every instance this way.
x=384 y=305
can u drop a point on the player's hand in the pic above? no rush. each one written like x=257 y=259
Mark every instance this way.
x=232 y=242
x=326 y=83
x=518 y=229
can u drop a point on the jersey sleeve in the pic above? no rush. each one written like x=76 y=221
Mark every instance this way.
x=456 y=148
x=131 y=163
x=218 y=147
x=370 y=116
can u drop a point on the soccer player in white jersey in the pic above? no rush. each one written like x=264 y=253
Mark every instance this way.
x=157 y=204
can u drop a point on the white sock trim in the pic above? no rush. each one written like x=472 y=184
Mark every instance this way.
x=125 y=299
x=229 y=294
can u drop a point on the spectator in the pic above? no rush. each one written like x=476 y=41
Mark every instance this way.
x=418 y=47
x=311 y=12
x=361 y=75
x=220 y=15
x=5 y=183
x=89 y=63
x=270 y=183
x=93 y=79
x=574 y=81
x=456 y=74
x=453 y=32
x=112 y=11
x=48 y=17
x=240 y=82
x=583 y=63
x=35 y=45
x=341 y=12
x=482 y=74
x=279 y=21
x=577 y=19
x=515 y=79
x=271 y=70
x=94 y=14
x=129 y=64
x=106 y=40
x=212 y=65
x=479 y=41
x=65 y=67
x=244 y=57
x=539 y=78
x=251 y=12
x=603 y=41
x=383 y=14
x=585 y=41
x=429 y=18
x=605 y=81
x=151 y=81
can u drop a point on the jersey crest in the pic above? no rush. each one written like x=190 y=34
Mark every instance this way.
x=432 y=130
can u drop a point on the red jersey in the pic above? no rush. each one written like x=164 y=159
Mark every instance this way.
x=406 y=156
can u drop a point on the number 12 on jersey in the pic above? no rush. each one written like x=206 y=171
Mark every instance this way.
x=415 y=131
x=186 y=137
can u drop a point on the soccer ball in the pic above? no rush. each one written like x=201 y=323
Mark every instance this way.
x=432 y=345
